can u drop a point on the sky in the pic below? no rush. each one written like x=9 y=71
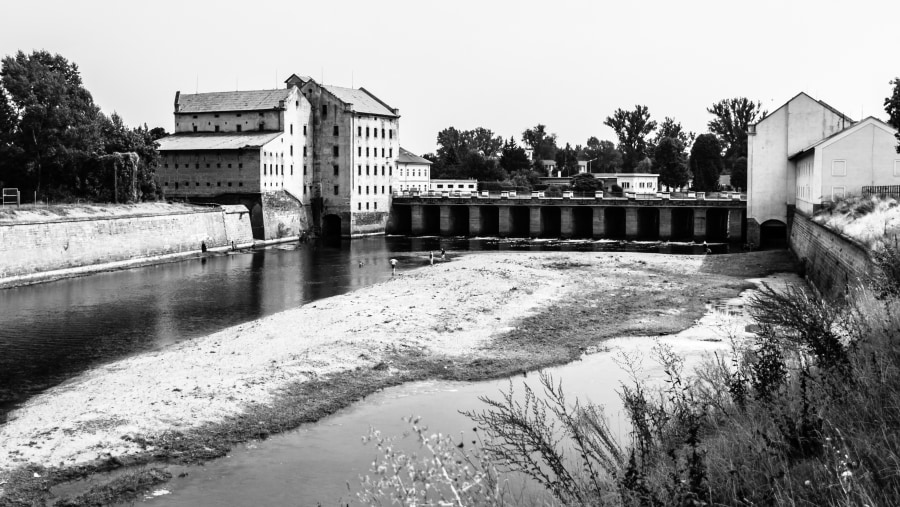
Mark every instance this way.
x=502 y=65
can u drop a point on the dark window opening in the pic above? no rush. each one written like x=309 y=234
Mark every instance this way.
x=238 y=128
x=335 y=169
x=336 y=189
x=217 y=128
x=334 y=150
x=336 y=130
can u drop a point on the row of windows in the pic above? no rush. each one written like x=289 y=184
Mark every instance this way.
x=197 y=166
x=217 y=115
x=390 y=170
x=197 y=184
x=415 y=172
x=374 y=130
x=359 y=205
x=374 y=152
x=459 y=185
x=374 y=189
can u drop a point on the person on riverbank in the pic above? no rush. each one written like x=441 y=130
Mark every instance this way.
x=393 y=267
x=443 y=254
x=431 y=257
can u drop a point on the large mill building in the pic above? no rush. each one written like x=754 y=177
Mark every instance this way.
x=306 y=157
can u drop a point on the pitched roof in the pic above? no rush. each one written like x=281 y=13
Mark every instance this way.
x=822 y=103
x=408 y=157
x=871 y=120
x=362 y=101
x=216 y=140
x=248 y=100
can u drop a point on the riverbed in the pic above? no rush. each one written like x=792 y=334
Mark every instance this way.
x=474 y=317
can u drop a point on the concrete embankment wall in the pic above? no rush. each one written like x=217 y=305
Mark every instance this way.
x=33 y=250
x=833 y=263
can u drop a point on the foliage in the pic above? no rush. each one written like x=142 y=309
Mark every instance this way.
x=739 y=174
x=542 y=143
x=567 y=160
x=586 y=182
x=871 y=220
x=524 y=178
x=513 y=157
x=604 y=156
x=553 y=191
x=56 y=142
x=892 y=107
x=672 y=129
x=706 y=163
x=446 y=473
x=671 y=163
x=632 y=128
x=733 y=118
x=645 y=166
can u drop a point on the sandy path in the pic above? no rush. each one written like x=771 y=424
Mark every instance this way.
x=452 y=310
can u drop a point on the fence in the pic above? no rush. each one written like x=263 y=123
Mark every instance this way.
x=885 y=191
x=11 y=196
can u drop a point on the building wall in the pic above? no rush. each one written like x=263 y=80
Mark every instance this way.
x=271 y=120
x=207 y=173
x=806 y=191
x=32 y=248
x=454 y=185
x=867 y=156
x=411 y=176
x=284 y=215
x=770 y=175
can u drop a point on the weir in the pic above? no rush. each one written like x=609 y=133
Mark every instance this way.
x=665 y=217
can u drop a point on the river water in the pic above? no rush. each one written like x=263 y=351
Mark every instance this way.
x=51 y=332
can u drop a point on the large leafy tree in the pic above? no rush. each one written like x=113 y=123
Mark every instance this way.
x=739 y=174
x=706 y=163
x=467 y=154
x=632 y=128
x=542 y=143
x=603 y=156
x=586 y=182
x=732 y=119
x=567 y=160
x=671 y=163
x=484 y=141
x=673 y=129
x=892 y=107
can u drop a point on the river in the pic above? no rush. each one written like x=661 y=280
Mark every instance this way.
x=52 y=331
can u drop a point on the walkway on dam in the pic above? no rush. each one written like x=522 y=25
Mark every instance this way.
x=659 y=216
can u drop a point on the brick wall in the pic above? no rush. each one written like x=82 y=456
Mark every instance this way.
x=28 y=248
x=832 y=262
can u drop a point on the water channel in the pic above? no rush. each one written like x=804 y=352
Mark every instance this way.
x=53 y=331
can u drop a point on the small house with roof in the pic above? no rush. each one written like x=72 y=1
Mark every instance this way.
x=413 y=172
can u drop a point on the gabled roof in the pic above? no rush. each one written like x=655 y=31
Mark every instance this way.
x=822 y=103
x=871 y=120
x=216 y=140
x=408 y=157
x=249 y=100
x=362 y=100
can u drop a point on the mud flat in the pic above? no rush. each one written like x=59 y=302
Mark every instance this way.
x=480 y=316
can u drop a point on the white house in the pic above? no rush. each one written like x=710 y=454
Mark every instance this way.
x=448 y=185
x=640 y=183
x=413 y=172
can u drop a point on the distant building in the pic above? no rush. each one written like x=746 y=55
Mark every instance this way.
x=549 y=166
x=413 y=172
x=308 y=156
x=641 y=183
x=806 y=152
x=582 y=166
x=451 y=185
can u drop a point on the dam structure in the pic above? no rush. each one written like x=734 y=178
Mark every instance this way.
x=663 y=216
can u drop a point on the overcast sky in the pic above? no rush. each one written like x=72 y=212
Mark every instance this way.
x=501 y=65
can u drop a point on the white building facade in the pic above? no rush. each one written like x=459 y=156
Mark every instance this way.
x=413 y=173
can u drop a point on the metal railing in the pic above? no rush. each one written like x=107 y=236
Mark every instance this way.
x=569 y=194
x=883 y=190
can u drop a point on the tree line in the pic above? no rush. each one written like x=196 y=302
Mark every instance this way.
x=642 y=145
x=57 y=144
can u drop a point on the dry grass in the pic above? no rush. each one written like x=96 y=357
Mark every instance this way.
x=868 y=220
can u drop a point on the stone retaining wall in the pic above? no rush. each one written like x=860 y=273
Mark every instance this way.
x=833 y=263
x=32 y=249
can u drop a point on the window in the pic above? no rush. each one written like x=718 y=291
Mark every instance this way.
x=897 y=168
x=391 y=133
x=335 y=130
x=304 y=169
x=264 y=170
x=359 y=131
x=324 y=110
x=335 y=169
x=375 y=132
x=375 y=205
x=292 y=169
x=195 y=116
x=382 y=189
x=367 y=189
x=391 y=152
x=839 y=168
x=240 y=166
x=238 y=128
x=390 y=171
x=382 y=133
x=367 y=205
x=215 y=116
x=367 y=170
x=358 y=189
x=292 y=150
x=382 y=170
x=217 y=128
x=229 y=166
x=837 y=192
x=359 y=170
x=334 y=150
x=359 y=205
x=240 y=183
x=218 y=183
x=218 y=165
x=229 y=183
x=304 y=151
x=292 y=128
x=304 y=130
x=336 y=189
x=382 y=152
x=367 y=151
x=367 y=131
x=195 y=128
x=262 y=125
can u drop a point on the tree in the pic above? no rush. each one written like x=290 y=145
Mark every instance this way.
x=739 y=174
x=483 y=141
x=733 y=118
x=542 y=144
x=513 y=157
x=706 y=163
x=892 y=107
x=632 y=129
x=671 y=128
x=586 y=182
x=645 y=166
x=604 y=156
x=671 y=163
x=567 y=160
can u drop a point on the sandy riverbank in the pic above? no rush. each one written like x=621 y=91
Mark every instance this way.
x=480 y=316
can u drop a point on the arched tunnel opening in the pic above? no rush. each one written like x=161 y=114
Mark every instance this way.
x=682 y=224
x=519 y=219
x=490 y=221
x=551 y=222
x=648 y=224
x=773 y=234
x=582 y=222
x=615 y=222
x=400 y=220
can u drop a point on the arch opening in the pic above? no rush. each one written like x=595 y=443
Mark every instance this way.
x=431 y=220
x=773 y=234
x=519 y=220
x=459 y=221
x=615 y=222
x=331 y=227
x=490 y=220
x=582 y=222
x=648 y=224
x=717 y=225
x=682 y=224
x=551 y=222
x=400 y=221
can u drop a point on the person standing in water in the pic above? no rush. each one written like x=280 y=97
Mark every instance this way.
x=431 y=257
x=393 y=267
